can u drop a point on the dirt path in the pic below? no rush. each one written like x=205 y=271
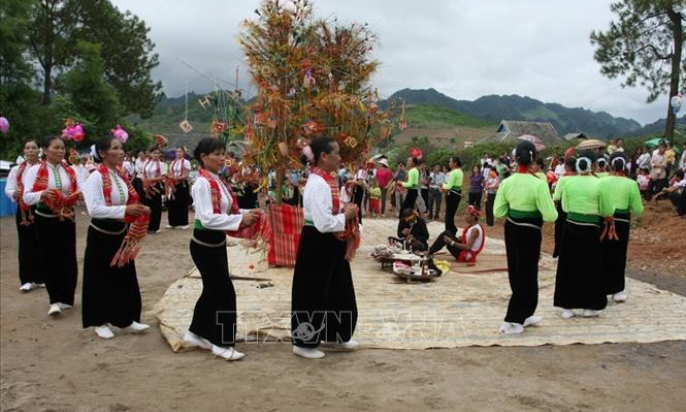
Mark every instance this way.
x=54 y=366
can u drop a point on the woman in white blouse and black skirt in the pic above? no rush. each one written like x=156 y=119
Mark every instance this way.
x=52 y=187
x=30 y=272
x=177 y=206
x=110 y=291
x=323 y=296
x=154 y=172
x=214 y=318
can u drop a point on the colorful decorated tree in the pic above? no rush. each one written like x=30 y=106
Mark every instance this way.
x=312 y=79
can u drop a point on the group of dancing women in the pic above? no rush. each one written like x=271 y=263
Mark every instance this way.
x=596 y=219
x=592 y=235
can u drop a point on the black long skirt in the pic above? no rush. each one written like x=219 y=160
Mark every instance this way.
x=214 y=317
x=452 y=202
x=178 y=206
x=614 y=255
x=358 y=199
x=137 y=184
x=559 y=229
x=57 y=249
x=324 y=307
x=29 y=255
x=523 y=248
x=110 y=294
x=579 y=283
x=410 y=201
x=154 y=202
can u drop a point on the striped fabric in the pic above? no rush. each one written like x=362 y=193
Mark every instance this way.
x=286 y=224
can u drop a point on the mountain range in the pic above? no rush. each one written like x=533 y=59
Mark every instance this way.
x=495 y=108
x=430 y=109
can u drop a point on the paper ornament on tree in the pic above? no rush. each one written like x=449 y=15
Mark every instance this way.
x=676 y=102
x=186 y=126
x=417 y=153
x=351 y=142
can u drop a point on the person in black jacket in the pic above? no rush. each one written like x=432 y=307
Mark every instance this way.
x=412 y=230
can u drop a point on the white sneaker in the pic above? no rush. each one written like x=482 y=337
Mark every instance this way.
x=510 y=328
x=183 y=227
x=195 y=340
x=26 y=287
x=619 y=297
x=532 y=320
x=169 y=227
x=64 y=306
x=39 y=285
x=567 y=314
x=590 y=313
x=136 y=327
x=309 y=353
x=230 y=354
x=349 y=345
x=54 y=310
x=104 y=332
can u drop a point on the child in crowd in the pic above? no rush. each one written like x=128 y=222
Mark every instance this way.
x=374 y=198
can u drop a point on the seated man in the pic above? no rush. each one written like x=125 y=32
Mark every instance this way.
x=412 y=230
x=674 y=191
x=471 y=244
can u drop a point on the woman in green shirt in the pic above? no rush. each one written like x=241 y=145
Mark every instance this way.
x=525 y=201
x=602 y=168
x=626 y=198
x=412 y=185
x=453 y=193
x=579 y=282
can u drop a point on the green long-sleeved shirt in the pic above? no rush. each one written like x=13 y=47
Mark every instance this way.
x=582 y=195
x=524 y=192
x=542 y=176
x=454 y=181
x=412 y=179
x=623 y=193
x=559 y=187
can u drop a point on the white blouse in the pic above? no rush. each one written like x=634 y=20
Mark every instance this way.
x=150 y=169
x=202 y=201
x=138 y=167
x=95 y=198
x=318 y=206
x=33 y=198
x=178 y=166
x=11 y=186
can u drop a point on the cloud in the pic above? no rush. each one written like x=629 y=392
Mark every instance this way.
x=465 y=49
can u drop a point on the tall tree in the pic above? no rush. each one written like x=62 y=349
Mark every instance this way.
x=645 y=46
x=90 y=97
x=18 y=101
x=127 y=52
x=51 y=25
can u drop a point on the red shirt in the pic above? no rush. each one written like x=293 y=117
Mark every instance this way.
x=384 y=176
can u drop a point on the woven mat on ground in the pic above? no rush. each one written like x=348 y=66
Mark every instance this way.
x=464 y=307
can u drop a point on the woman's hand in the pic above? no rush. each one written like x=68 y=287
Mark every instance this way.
x=350 y=211
x=251 y=217
x=136 y=209
x=47 y=194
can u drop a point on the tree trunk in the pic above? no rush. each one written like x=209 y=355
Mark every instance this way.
x=47 y=85
x=280 y=173
x=678 y=33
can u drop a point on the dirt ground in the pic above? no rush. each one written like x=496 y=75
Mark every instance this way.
x=53 y=365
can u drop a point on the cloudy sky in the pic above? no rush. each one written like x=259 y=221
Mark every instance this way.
x=462 y=48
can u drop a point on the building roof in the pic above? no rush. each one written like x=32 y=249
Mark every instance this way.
x=511 y=130
x=578 y=135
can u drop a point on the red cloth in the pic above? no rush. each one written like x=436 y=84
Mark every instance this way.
x=384 y=176
x=286 y=223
